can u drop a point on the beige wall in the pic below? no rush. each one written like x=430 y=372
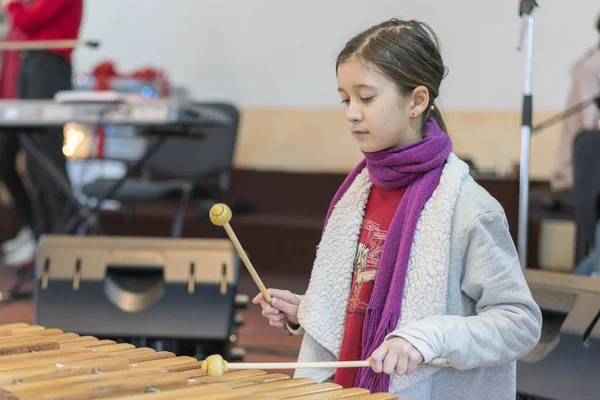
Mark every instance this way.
x=317 y=140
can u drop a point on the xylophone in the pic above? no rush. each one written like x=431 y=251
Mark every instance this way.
x=43 y=364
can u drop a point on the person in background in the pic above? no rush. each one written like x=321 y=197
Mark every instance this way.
x=585 y=85
x=43 y=74
x=19 y=251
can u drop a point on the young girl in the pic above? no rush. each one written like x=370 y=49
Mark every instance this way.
x=416 y=261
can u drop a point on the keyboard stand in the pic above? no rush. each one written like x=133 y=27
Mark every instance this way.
x=78 y=218
x=160 y=118
x=86 y=215
x=83 y=213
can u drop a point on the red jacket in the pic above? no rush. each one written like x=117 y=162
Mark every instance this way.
x=48 y=20
x=11 y=67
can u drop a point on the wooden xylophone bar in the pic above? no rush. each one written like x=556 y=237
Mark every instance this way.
x=49 y=364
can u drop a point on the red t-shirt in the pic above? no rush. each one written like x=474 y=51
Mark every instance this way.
x=381 y=207
x=48 y=20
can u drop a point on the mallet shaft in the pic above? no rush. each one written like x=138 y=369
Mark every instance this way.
x=438 y=362
x=246 y=260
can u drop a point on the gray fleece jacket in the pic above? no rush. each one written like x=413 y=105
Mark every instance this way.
x=483 y=319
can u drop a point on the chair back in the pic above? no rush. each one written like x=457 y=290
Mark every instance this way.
x=189 y=158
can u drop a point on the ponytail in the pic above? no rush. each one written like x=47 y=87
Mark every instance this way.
x=434 y=112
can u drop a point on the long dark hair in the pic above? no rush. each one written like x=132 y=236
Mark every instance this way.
x=408 y=52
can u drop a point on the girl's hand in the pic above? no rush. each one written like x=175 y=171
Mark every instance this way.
x=397 y=356
x=284 y=306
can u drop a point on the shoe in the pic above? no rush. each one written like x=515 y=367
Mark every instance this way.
x=25 y=235
x=22 y=256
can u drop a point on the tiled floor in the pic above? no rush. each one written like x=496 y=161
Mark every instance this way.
x=263 y=343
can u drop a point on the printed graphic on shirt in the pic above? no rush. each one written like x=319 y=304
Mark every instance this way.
x=365 y=264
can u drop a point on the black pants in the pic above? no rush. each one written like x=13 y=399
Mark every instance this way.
x=43 y=74
x=9 y=148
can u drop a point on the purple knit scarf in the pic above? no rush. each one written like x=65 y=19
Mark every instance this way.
x=418 y=168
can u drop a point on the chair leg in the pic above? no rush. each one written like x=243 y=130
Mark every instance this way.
x=184 y=200
x=581 y=247
x=15 y=293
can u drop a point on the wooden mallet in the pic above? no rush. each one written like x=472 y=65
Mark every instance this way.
x=47 y=44
x=215 y=365
x=220 y=215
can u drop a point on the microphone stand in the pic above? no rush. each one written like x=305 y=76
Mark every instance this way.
x=526 y=8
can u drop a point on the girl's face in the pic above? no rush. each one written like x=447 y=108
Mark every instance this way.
x=378 y=115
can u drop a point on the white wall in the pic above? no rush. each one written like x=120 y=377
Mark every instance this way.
x=281 y=52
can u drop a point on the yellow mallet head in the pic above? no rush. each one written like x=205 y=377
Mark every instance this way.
x=214 y=365
x=220 y=214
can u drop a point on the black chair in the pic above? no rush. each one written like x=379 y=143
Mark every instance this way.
x=189 y=164
x=586 y=197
